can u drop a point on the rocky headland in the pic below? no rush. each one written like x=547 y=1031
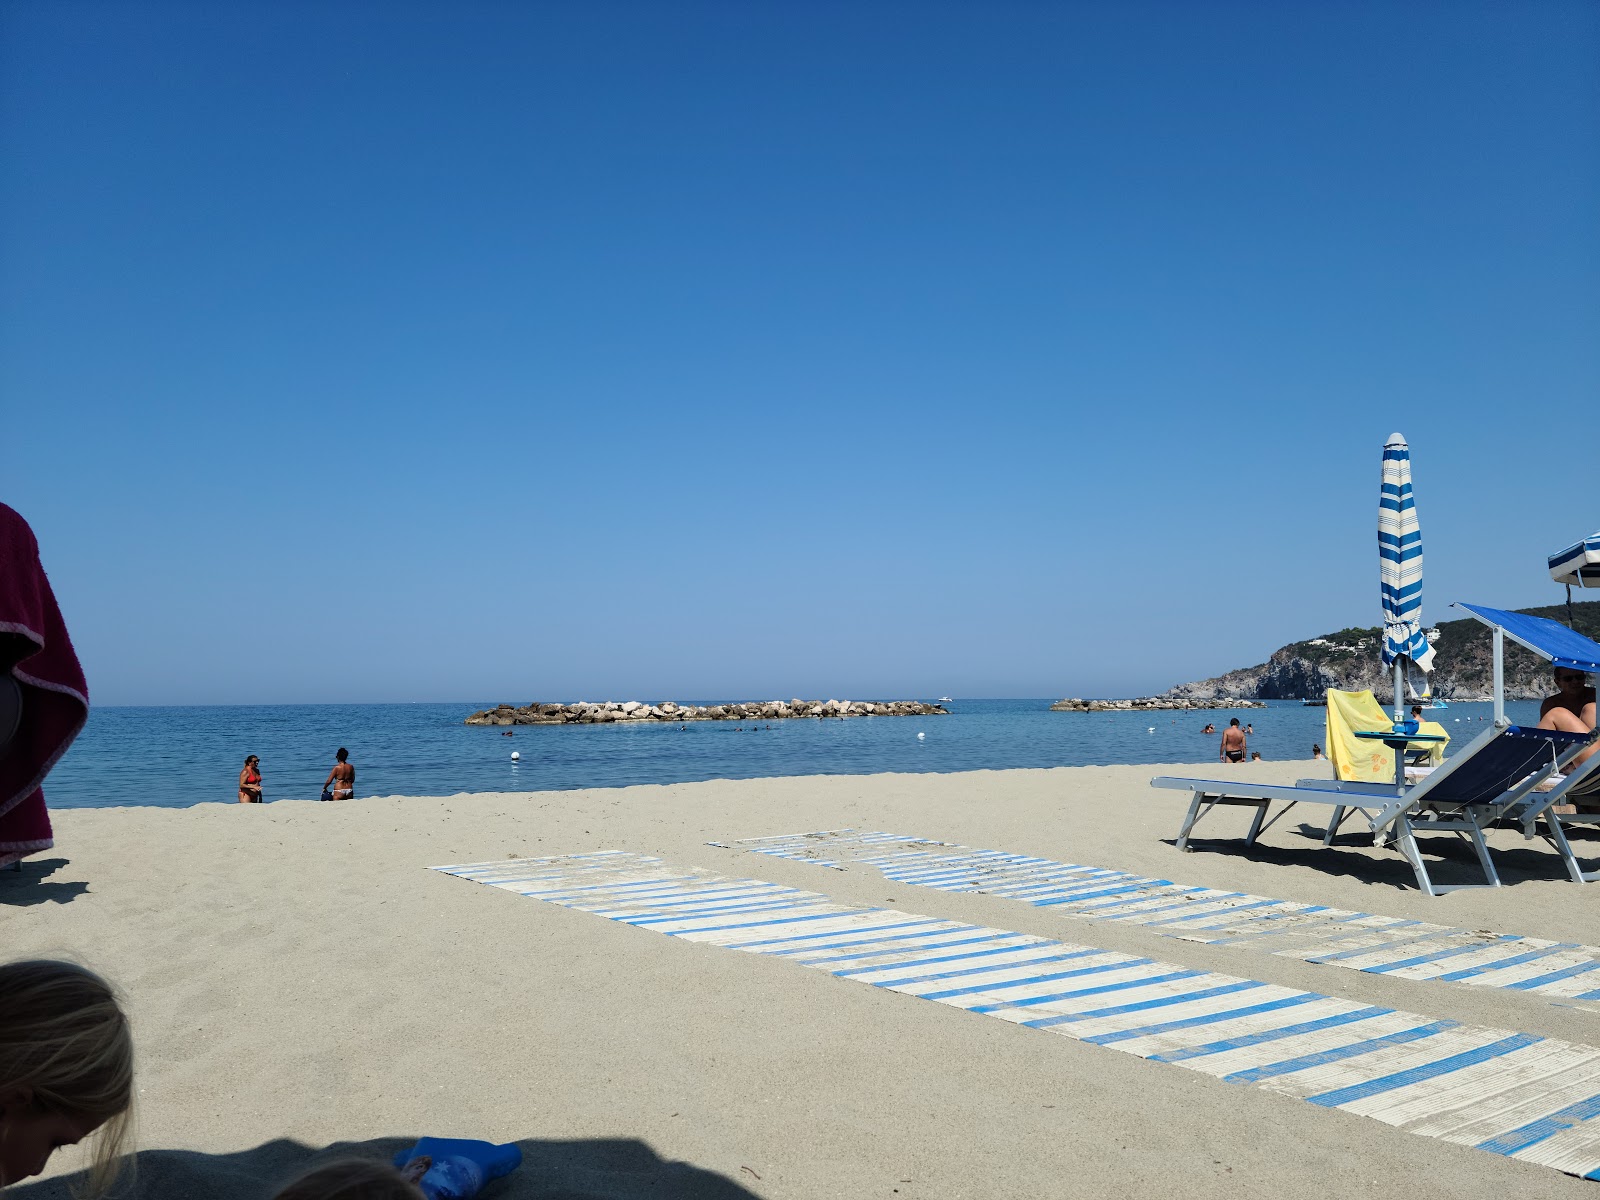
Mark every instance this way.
x=1352 y=660
x=1152 y=703
x=584 y=713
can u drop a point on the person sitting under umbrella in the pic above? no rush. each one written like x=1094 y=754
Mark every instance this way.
x=1571 y=708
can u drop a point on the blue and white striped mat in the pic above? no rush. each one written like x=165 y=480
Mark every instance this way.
x=1529 y=1098
x=1562 y=972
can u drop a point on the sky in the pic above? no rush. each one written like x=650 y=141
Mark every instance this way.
x=476 y=351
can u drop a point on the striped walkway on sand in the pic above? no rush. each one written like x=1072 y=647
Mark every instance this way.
x=1565 y=973
x=1528 y=1098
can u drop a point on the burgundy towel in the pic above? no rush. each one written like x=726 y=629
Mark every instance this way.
x=55 y=698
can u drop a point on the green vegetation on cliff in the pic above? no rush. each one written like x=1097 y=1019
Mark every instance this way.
x=1352 y=659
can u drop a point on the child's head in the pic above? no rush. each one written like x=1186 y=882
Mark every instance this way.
x=351 y=1179
x=66 y=1068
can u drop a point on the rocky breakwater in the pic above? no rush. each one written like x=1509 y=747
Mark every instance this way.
x=611 y=711
x=1151 y=703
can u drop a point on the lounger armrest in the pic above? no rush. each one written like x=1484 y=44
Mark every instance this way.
x=1348 y=787
x=1243 y=790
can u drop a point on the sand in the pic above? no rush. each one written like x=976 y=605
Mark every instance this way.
x=299 y=981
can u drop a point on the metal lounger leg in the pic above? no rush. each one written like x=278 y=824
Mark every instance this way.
x=1189 y=820
x=1333 y=824
x=1482 y=848
x=1255 y=825
x=1407 y=842
x=1558 y=839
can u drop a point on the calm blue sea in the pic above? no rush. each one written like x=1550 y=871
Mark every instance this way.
x=180 y=756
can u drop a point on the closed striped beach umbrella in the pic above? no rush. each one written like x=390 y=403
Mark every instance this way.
x=1400 y=567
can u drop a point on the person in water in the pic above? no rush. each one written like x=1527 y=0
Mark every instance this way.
x=1209 y=728
x=341 y=781
x=66 y=1069
x=1233 y=745
x=250 y=781
x=1571 y=708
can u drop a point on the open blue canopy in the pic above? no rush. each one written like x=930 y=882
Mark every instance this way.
x=1548 y=639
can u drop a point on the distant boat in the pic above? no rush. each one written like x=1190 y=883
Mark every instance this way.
x=946 y=700
x=1323 y=703
x=1434 y=704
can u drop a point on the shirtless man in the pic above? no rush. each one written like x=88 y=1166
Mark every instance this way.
x=1233 y=747
x=342 y=779
x=1571 y=708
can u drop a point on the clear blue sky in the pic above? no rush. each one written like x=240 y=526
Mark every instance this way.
x=600 y=350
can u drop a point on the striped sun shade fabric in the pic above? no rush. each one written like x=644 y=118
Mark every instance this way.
x=1578 y=565
x=1400 y=560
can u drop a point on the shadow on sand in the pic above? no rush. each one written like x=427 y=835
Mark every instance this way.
x=31 y=884
x=598 y=1169
x=1450 y=858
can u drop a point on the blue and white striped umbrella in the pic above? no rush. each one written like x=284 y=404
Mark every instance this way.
x=1400 y=561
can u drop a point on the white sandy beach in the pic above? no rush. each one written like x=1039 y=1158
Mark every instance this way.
x=298 y=978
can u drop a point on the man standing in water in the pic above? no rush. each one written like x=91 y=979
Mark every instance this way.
x=1233 y=745
x=342 y=779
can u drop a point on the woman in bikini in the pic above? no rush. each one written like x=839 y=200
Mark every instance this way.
x=250 y=781
x=341 y=781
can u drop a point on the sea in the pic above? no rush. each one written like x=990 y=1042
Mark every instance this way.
x=173 y=757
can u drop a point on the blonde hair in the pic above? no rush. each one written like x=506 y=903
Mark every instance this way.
x=64 y=1036
x=351 y=1179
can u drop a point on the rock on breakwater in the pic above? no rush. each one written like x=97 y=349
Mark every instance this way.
x=584 y=713
x=1151 y=703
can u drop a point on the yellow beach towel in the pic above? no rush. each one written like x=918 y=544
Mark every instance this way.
x=1358 y=759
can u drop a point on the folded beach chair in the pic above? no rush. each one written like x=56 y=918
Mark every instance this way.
x=1492 y=775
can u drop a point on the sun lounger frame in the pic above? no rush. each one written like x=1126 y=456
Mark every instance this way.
x=1403 y=811
x=1581 y=783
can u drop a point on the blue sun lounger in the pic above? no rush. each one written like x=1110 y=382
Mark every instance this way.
x=1492 y=777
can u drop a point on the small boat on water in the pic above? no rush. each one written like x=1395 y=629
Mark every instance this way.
x=946 y=700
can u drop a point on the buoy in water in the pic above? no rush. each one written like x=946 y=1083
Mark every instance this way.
x=920 y=736
x=515 y=756
x=1152 y=729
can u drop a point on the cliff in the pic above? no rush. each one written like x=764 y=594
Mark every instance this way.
x=1352 y=660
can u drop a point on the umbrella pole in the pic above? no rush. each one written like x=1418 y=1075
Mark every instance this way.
x=1499 y=677
x=1399 y=710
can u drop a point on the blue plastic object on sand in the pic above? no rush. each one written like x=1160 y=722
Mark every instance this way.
x=460 y=1166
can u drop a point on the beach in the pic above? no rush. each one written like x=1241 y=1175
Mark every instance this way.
x=300 y=980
